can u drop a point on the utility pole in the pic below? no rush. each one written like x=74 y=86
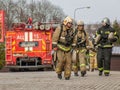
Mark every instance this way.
x=75 y=13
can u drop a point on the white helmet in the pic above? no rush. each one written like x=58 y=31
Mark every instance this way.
x=80 y=23
x=67 y=20
x=106 y=20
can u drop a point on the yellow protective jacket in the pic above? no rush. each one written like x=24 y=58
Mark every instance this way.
x=59 y=40
x=84 y=37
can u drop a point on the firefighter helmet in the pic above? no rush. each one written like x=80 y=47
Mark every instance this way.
x=80 y=23
x=106 y=21
x=67 y=20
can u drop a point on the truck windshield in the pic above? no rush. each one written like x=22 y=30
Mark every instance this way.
x=28 y=44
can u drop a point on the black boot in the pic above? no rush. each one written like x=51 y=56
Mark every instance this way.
x=67 y=78
x=100 y=73
x=59 y=76
x=83 y=73
x=76 y=74
x=106 y=74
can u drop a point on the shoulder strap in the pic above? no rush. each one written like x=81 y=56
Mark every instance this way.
x=75 y=32
x=84 y=32
x=60 y=32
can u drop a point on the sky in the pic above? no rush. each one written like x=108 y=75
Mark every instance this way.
x=98 y=9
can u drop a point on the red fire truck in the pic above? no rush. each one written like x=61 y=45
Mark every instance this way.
x=29 y=46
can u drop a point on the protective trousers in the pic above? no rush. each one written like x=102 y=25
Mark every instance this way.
x=82 y=59
x=104 y=59
x=75 y=61
x=93 y=61
x=64 y=62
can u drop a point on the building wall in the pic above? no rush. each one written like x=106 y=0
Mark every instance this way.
x=115 y=63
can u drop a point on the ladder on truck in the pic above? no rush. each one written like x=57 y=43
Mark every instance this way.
x=8 y=50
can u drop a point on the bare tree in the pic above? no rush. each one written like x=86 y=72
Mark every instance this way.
x=57 y=14
x=45 y=11
x=19 y=11
x=8 y=6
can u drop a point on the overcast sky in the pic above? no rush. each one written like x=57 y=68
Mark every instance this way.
x=99 y=9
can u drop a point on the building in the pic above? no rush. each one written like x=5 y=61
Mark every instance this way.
x=115 y=59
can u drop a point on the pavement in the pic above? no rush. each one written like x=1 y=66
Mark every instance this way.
x=48 y=80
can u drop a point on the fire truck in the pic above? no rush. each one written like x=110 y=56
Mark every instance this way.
x=29 y=46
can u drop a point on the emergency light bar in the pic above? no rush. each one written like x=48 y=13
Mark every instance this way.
x=45 y=27
x=42 y=27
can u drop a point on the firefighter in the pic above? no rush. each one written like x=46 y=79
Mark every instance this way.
x=87 y=60
x=29 y=22
x=92 y=55
x=105 y=37
x=75 y=62
x=62 y=41
x=80 y=50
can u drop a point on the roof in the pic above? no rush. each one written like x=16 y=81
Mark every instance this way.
x=116 y=50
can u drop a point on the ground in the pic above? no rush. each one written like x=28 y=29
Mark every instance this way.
x=47 y=80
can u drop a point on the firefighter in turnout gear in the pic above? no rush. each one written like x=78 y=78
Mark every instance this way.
x=62 y=42
x=79 y=54
x=92 y=55
x=105 y=37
